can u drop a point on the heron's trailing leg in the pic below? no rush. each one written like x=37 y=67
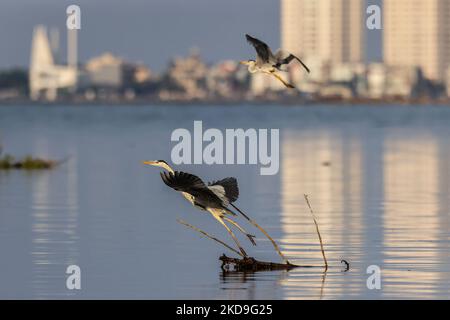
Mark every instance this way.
x=288 y=85
x=220 y=219
x=234 y=223
x=263 y=231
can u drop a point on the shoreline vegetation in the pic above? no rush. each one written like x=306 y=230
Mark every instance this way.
x=8 y=162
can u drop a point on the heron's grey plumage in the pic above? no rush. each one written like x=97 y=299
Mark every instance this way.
x=288 y=59
x=264 y=54
x=214 y=198
x=201 y=195
x=230 y=186
x=269 y=63
x=263 y=51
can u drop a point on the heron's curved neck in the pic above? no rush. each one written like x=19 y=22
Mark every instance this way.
x=167 y=167
x=252 y=67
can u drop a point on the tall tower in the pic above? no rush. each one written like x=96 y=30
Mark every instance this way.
x=54 y=44
x=417 y=33
x=45 y=76
x=72 y=48
x=41 y=60
x=327 y=30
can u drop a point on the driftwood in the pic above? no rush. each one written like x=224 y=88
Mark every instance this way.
x=251 y=264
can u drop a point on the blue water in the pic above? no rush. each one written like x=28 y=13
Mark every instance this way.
x=378 y=179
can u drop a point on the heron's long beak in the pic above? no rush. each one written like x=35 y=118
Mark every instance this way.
x=150 y=163
x=243 y=62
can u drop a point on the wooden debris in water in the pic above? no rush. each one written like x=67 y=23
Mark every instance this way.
x=251 y=264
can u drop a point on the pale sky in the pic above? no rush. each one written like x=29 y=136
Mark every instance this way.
x=150 y=31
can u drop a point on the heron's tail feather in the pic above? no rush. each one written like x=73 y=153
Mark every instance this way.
x=228 y=211
x=263 y=231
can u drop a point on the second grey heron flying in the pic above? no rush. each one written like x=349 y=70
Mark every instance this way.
x=267 y=62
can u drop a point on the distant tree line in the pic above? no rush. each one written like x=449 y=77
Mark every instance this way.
x=14 y=78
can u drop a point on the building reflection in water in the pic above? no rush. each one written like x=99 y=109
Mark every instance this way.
x=54 y=226
x=411 y=220
x=326 y=166
x=379 y=199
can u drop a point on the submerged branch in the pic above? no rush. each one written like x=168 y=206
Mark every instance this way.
x=251 y=264
x=318 y=232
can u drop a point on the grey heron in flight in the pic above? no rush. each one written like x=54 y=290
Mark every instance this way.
x=215 y=197
x=267 y=62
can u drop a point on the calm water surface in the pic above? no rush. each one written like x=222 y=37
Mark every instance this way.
x=378 y=180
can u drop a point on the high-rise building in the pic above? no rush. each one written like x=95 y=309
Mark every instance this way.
x=417 y=33
x=327 y=30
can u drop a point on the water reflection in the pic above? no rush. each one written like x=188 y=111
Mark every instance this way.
x=377 y=197
x=327 y=166
x=411 y=220
x=54 y=229
x=378 y=180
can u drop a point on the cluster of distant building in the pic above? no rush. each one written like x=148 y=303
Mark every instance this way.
x=111 y=78
x=327 y=34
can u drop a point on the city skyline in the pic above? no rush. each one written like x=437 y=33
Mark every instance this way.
x=324 y=30
x=416 y=33
x=183 y=25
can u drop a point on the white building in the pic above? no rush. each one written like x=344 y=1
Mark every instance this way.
x=105 y=70
x=401 y=81
x=45 y=76
x=392 y=81
x=376 y=80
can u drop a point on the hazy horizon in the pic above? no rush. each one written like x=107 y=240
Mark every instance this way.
x=150 y=32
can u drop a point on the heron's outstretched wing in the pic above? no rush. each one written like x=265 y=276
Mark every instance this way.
x=182 y=181
x=262 y=50
x=230 y=187
x=288 y=59
x=189 y=183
